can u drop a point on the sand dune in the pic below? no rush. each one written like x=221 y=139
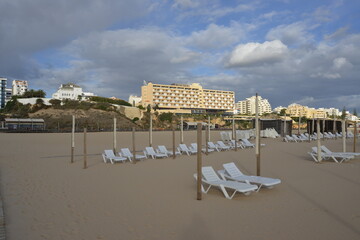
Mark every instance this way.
x=46 y=197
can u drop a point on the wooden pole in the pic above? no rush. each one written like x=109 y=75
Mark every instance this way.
x=114 y=136
x=173 y=140
x=233 y=128
x=299 y=123
x=323 y=128
x=235 y=147
x=313 y=124
x=257 y=143
x=318 y=140
x=73 y=139
x=85 y=152
x=199 y=163
x=181 y=130
x=133 y=146
x=150 y=131
x=355 y=136
x=207 y=139
x=209 y=129
x=343 y=135
x=284 y=126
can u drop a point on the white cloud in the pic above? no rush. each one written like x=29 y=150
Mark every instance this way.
x=252 y=54
x=185 y=3
x=295 y=33
x=216 y=36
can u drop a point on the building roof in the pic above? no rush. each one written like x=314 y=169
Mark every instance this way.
x=39 y=120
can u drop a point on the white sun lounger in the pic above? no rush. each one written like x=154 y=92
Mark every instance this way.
x=339 y=158
x=210 y=178
x=232 y=172
x=109 y=155
x=238 y=145
x=203 y=149
x=222 y=145
x=212 y=145
x=326 y=150
x=246 y=143
x=184 y=149
x=163 y=149
x=149 y=151
x=126 y=153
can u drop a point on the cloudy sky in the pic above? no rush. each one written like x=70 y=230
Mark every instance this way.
x=286 y=50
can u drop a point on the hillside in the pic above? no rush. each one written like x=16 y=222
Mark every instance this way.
x=93 y=119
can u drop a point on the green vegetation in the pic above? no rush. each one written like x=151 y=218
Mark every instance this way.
x=166 y=117
x=33 y=93
x=110 y=101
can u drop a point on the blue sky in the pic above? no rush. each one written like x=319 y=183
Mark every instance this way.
x=288 y=51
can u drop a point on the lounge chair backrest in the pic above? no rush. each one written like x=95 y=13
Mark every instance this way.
x=325 y=149
x=109 y=153
x=232 y=169
x=221 y=143
x=211 y=144
x=194 y=146
x=183 y=147
x=162 y=149
x=314 y=149
x=126 y=152
x=150 y=150
x=209 y=174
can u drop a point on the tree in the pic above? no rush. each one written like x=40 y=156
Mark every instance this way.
x=33 y=93
x=355 y=112
x=55 y=102
x=283 y=112
x=39 y=101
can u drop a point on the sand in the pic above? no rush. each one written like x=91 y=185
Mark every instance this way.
x=47 y=197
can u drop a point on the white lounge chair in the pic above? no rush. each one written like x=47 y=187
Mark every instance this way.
x=163 y=149
x=222 y=145
x=247 y=144
x=109 y=155
x=339 y=158
x=210 y=178
x=149 y=151
x=326 y=150
x=126 y=153
x=213 y=146
x=232 y=172
x=289 y=139
x=238 y=145
x=297 y=139
x=184 y=149
x=194 y=147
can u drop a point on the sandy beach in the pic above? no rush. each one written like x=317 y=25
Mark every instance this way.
x=47 y=197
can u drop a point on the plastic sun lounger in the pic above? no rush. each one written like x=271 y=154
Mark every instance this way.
x=210 y=178
x=238 y=145
x=246 y=143
x=195 y=148
x=163 y=149
x=149 y=151
x=126 y=153
x=222 y=145
x=339 y=158
x=211 y=145
x=326 y=150
x=232 y=172
x=109 y=155
x=184 y=149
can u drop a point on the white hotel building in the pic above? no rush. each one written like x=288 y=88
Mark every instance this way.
x=247 y=106
x=71 y=91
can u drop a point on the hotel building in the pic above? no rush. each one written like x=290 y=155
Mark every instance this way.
x=181 y=96
x=3 y=83
x=19 y=87
x=247 y=106
x=71 y=91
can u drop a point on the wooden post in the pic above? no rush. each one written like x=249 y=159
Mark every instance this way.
x=318 y=141
x=199 y=164
x=209 y=129
x=257 y=131
x=299 y=123
x=181 y=130
x=73 y=139
x=85 y=152
x=173 y=140
x=343 y=135
x=150 y=131
x=235 y=147
x=206 y=139
x=114 y=136
x=233 y=128
x=355 y=136
x=133 y=146
x=284 y=126
x=323 y=128
x=313 y=124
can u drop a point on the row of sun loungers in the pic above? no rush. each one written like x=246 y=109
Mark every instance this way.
x=327 y=154
x=126 y=155
x=226 y=136
x=233 y=179
x=305 y=136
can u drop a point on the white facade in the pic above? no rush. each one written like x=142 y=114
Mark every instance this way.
x=278 y=109
x=248 y=106
x=71 y=91
x=134 y=100
x=32 y=101
x=19 y=87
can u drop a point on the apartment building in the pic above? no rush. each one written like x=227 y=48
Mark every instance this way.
x=247 y=106
x=182 y=96
x=296 y=110
x=19 y=87
x=71 y=91
x=3 y=83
